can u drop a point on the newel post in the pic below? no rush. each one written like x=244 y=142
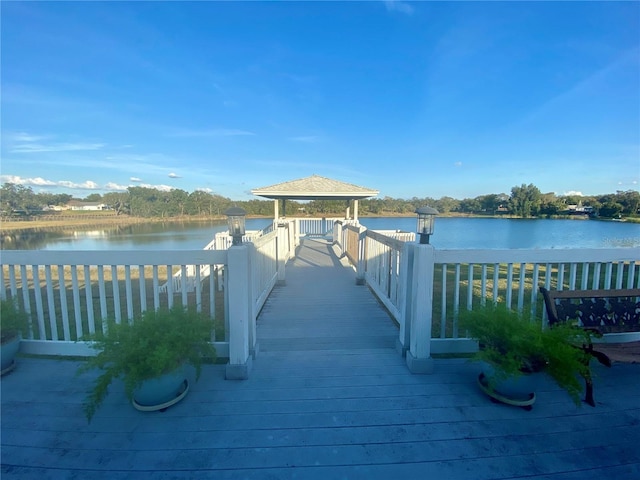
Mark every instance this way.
x=421 y=306
x=362 y=253
x=239 y=285
x=406 y=299
x=282 y=244
x=337 y=231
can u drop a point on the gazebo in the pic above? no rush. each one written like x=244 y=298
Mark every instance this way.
x=315 y=187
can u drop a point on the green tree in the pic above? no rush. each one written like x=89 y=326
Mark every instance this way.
x=15 y=198
x=525 y=200
x=60 y=199
x=470 y=205
x=447 y=204
x=94 y=197
x=177 y=200
x=489 y=203
x=610 y=209
x=119 y=201
x=630 y=201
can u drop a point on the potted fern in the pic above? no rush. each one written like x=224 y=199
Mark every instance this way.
x=513 y=347
x=150 y=354
x=13 y=324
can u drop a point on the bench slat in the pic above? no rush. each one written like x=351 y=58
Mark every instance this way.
x=625 y=292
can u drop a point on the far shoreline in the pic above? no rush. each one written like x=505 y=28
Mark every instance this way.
x=82 y=221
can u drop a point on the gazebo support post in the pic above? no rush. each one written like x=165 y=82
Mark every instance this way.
x=355 y=210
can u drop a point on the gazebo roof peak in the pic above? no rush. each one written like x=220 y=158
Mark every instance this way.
x=315 y=187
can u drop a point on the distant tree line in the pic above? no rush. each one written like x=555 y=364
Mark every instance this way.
x=523 y=201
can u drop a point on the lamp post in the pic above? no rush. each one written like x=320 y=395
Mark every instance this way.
x=426 y=219
x=236 y=220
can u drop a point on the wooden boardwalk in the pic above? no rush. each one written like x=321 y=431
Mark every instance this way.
x=328 y=397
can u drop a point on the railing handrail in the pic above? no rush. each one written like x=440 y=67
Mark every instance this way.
x=264 y=239
x=567 y=255
x=112 y=257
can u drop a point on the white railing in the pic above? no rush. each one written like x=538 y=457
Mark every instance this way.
x=424 y=289
x=346 y=234
x=264 y=266
x=398 y=235
x=69 y=294
x=315 y=226
x=384 y=269
x=223 y=240
x=464 y=279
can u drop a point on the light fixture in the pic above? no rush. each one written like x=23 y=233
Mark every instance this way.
x=426 y=219
x=236 y=218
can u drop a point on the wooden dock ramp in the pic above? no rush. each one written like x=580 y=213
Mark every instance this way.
x=322 y=308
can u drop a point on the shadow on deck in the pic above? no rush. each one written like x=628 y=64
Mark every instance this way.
x=328 y=397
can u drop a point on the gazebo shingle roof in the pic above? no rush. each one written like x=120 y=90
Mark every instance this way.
x=315 y=187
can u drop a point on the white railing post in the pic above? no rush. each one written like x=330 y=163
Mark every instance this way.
x=419 y=354
x=296 y=233
x=292 y=240
x=239 y=291
x=337 y=232
x=254 y=291
x=406 y=298
x=282 y=244
x=362 y=252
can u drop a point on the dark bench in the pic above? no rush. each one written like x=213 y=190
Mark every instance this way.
x=601 y=312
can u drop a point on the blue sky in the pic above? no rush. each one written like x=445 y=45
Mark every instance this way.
x=409 y=98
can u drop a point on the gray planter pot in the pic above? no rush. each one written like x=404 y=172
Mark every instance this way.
x=518 y=391
x=9 y=351
x=162 y=392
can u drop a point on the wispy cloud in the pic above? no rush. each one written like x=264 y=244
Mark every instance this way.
x=135 y=179
x=585 y=88
x=36 y=182
x=70 y=185
x=86 y=185
x=41 y=182
x=398 y=6
x=25 y=137
x=55 y=147
x=213 y=132
x=111 y=186
x=174 y=175
x=572 y=193
x=26 y=142
x=632 y=182
x=306 y=139
x=115 y=186
x=162 y=188
x=458 y=164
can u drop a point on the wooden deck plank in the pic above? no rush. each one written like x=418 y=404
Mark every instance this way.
x=319 y=404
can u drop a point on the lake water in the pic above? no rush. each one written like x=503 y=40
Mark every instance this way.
x=467 y=233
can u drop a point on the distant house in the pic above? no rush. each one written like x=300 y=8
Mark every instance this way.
x=55 y=208
x=580 y=209
x=87 y=206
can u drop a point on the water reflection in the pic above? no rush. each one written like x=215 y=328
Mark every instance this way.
x=143 y=236
x=467 y=233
